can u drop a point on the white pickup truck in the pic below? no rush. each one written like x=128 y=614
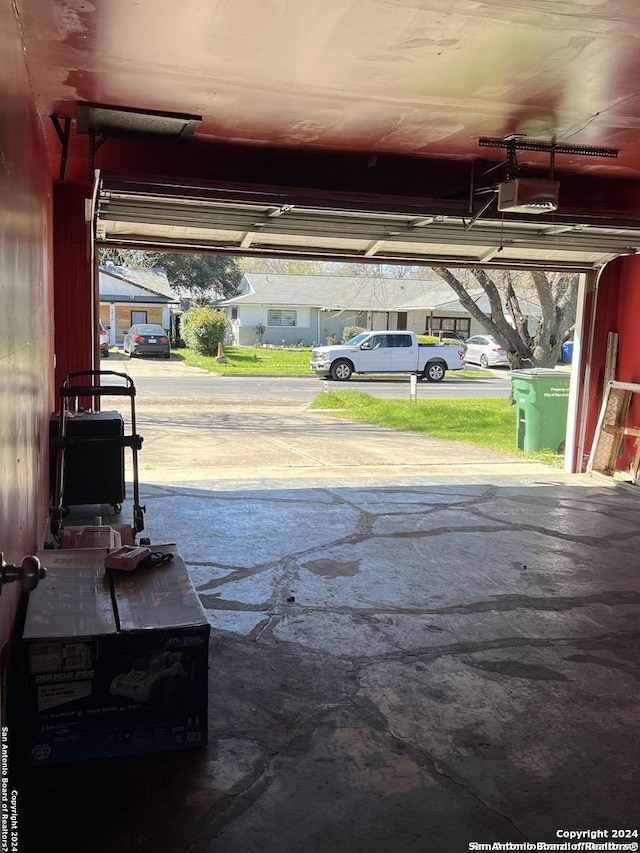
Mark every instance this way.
x=386 y=352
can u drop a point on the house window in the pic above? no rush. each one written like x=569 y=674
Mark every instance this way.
x=234 y=313
x=282 y=317
x=450 y=324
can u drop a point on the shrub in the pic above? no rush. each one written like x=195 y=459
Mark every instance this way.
x=351 y=331
x=434 y=341
x=203 y=329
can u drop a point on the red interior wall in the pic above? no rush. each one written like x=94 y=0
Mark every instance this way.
x=26 y=321
x=628 y=365
x=617 y=310
x=605 y=321
x=74 y=332
x=628 y=321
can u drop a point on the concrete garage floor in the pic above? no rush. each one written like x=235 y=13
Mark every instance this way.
x=404 y=657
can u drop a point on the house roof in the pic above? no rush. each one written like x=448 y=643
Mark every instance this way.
x=452 y=305
x=347 y=293
x=141 y=285
x=357 y=293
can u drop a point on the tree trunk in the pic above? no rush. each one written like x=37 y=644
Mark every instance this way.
x=557 y=296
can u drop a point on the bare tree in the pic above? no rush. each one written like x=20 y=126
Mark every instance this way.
x=129 y=258
x=281 y=266
x=556 y=293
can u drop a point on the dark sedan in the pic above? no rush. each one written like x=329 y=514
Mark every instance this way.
x=146 y=339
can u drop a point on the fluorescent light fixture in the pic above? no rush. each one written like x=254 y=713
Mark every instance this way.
x=122 y=121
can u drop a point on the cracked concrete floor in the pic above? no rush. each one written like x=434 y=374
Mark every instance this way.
x=402 y=659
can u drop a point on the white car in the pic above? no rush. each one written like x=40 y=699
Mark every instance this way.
x=485 y=351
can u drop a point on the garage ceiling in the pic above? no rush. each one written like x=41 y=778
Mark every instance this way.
x=364 y=116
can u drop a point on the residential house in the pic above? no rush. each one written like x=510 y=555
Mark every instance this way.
x=307 y=309
x=130 y=295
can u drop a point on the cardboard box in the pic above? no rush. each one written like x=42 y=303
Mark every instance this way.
x=71 y=534
x=115 y=663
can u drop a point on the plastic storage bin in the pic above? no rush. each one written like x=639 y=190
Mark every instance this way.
x=567 y=352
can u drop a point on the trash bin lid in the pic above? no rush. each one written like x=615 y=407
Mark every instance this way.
x=532 y=372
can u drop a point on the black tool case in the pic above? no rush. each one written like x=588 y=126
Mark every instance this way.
x=87 y=446
x=92 y=474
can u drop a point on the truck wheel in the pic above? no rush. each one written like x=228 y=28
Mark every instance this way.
x=434 y=371
x=341 y=370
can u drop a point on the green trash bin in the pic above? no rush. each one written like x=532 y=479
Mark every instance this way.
x=542 y=399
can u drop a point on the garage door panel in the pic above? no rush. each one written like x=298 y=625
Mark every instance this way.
x=199 y=217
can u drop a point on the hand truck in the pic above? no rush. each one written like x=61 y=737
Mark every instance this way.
x=87 y=448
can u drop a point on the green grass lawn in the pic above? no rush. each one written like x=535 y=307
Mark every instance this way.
x=483 y=421
x=268 y=362
x=252 y=360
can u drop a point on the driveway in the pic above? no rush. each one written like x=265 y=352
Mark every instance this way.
x=210 y=434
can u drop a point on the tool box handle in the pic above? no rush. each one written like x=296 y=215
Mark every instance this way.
x=133 y=441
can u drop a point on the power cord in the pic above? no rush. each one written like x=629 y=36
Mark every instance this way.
x=155 y=559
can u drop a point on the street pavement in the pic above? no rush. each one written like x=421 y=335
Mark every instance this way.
x=158 y=379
